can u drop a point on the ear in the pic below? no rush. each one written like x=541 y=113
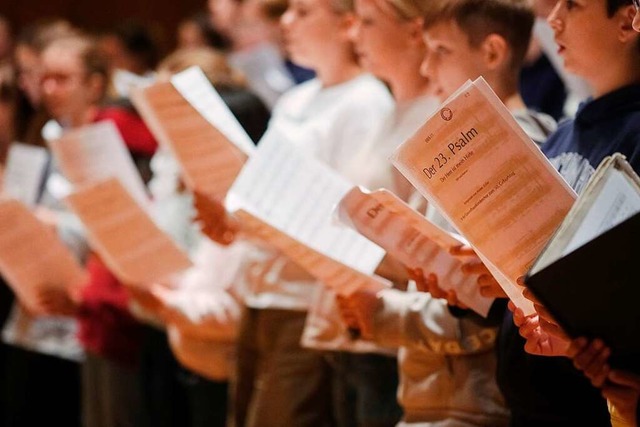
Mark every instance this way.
x=415 y=30
x=495 y=51
x=625 y=16
x=348 y=25
x=96 y=84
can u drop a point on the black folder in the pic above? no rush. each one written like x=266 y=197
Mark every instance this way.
x=595 y=292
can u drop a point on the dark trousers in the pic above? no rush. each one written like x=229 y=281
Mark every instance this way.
x=171 y=395
x=39 y=390
x=279 y=383
x=365 y=389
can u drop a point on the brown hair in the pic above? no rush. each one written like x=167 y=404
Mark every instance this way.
x=511 y=19
x=213 y=64
x=93 y=59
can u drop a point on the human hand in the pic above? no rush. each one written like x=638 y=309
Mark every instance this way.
x=55 y=301
x=430 y=284
x=489 y=286
x=591 y=358
x=358 y=310
x=538 y=342
x=547 y=322
x=214 y=220
x=622 y=390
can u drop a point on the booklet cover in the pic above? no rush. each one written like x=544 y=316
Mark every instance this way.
x=477 y=166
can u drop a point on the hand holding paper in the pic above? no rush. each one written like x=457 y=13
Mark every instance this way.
x=214 y=220
x=412 y=239
x=32 y=257
x=124 y=236
x=477 y=166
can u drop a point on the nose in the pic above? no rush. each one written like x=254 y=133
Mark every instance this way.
x=48 y=85
x=286 y=19
x=555 y=17
x=426 y=66
x=354 y=31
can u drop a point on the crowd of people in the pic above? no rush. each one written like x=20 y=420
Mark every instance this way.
x=248 y=338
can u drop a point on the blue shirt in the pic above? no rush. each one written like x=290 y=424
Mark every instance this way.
x=549 y=391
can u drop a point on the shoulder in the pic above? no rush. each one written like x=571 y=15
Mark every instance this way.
x=134 y=132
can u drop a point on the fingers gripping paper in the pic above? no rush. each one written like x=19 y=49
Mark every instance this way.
x=124 y=236
x=32 y=256
x=479 y=168
x=189 y=117
x=409 y=237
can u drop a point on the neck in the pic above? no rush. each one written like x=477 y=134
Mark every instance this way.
x=407 y=83
x=245 y=37
x=332 y=73
x=507 y=91
x=83 y=118
x=609 y=79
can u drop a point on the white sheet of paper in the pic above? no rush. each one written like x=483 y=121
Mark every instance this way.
x=96 y=152
x=124 y=81
x=341 y=279
x=25 y=171
x=32 y=256
x=611 y=196
x=618 y=201
x=123 y=234
x=410 y=238
x=209 y=159
x=194 y=86
x=479 y=168
x=297 y=194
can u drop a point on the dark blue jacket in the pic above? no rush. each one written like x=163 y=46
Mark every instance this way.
x=549 y=391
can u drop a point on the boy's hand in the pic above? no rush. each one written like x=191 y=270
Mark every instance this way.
x=430 y=284
x=547 y=322
x=538 y=341
x=53 y=301
x=214 y=221
x=489 y=287
x=591 y=358
x=359 y=309
x=622 y=390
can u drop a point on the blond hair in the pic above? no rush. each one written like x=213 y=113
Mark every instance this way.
x=213 y=63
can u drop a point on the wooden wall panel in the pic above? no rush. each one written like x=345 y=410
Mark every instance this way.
x=164 y=15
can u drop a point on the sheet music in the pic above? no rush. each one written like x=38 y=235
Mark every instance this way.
x=96 y=152
x=412 y=239
x=209 y=160
x=194 y=86
x=478 y=167
x=341 y=279
x=124 y=235
x=25 y=172
x=617 y=201
x=32 y=256
x=297 y=194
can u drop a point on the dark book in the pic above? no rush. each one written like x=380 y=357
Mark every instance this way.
x=586 y=276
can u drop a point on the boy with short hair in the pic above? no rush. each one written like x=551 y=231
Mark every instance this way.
x=598 y=43
x=447 y=364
